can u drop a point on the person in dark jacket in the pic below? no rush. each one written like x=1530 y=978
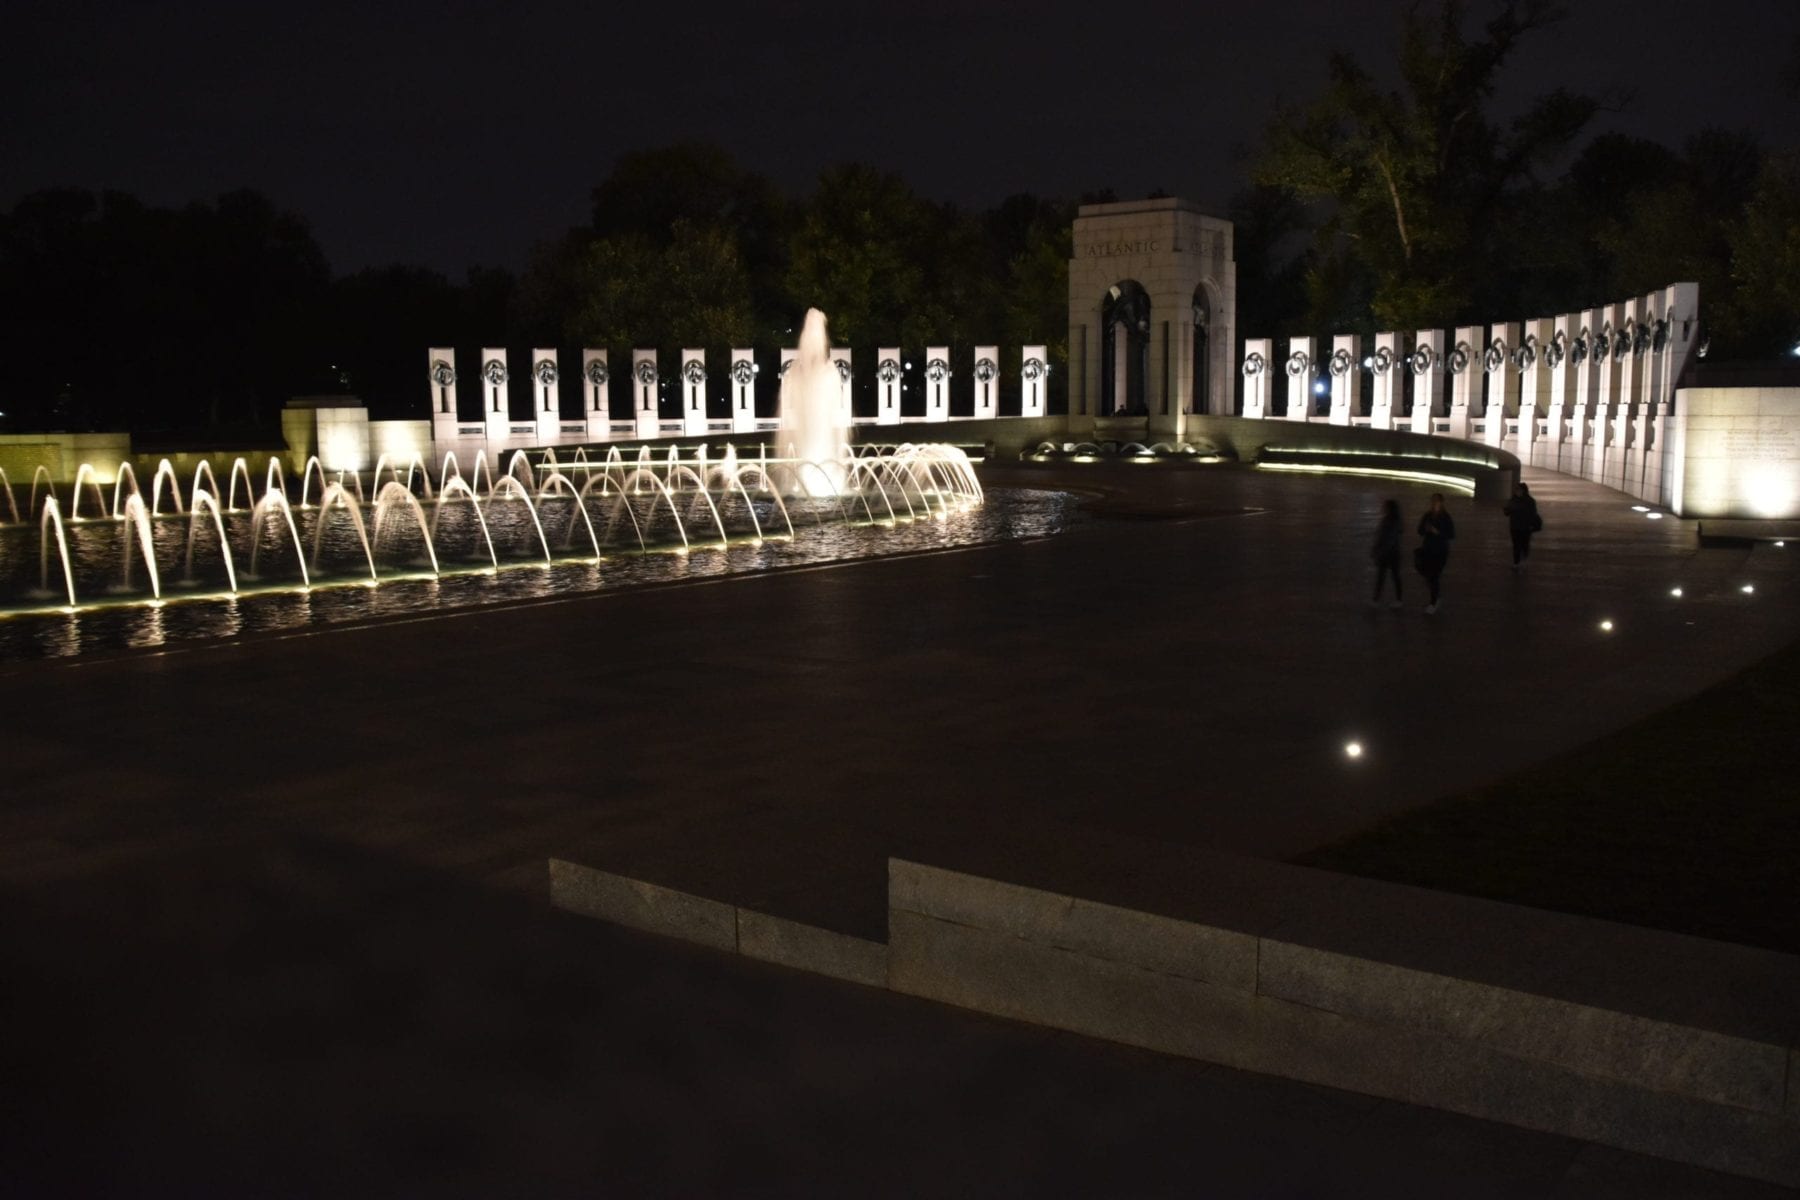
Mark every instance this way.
x=1436 y=532
x=1523 y=520
x=1386 y=550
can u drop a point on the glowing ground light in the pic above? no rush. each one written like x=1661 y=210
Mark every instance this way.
x=1655 y=516
x=1640 y=508
x=1779 y=545
x=1748 y=589
x=1353 y=750
x=1675 y=592
x=1606 y=627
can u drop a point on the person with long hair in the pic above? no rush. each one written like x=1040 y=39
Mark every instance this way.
x=1436 y=532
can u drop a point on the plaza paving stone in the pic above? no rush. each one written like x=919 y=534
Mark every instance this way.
x=277 y=904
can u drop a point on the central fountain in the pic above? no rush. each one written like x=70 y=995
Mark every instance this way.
x=812 y=433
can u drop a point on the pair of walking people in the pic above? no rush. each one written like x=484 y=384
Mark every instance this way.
x=1436 y=531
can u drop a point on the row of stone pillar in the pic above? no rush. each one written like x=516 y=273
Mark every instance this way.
x=548 y=425
x=1564 y=392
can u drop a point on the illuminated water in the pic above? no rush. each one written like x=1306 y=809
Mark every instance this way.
x=196 y=605
x=814 y=423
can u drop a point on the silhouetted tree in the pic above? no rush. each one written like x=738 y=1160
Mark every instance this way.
x=1414 y=179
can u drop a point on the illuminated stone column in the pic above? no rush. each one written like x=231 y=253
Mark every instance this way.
x=1034 y=380
x=1581 y=400
x=937 y=383
x=840 y=357
x=1383 y=364
x=596 y=404
x=1682 y=304
x=545 y=409
x=1462 y=363
x=743 y=391
x=1500 y=372
x=693 y=392
x=1558 y=357
x=1344 y=368
x=1426 y=363
x=1681 y=310
x=890 y=377
x=1628 y=360
x=1534 y=387
x=1299 y=371
x=1256 y=376
x=987 y=382
x=442 y=382
x=496 y=418
x=1606 y=392
x=644 y=384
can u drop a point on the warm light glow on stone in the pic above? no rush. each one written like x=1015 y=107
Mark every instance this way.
x=1353 y=750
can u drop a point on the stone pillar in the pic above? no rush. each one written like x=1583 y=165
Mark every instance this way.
x=840 y=356
x=987 y=382
x=1299 y=372
x=1606 y=392
x=1121 y=360
x=743 y=391
x=1034 y=380
x=937 y=383
x=1462 y=363
x=1681 y=304
x=1501 y=372
x=1647 y=448
x=644 y=385
x=1534 y=386
x=1344 y=368
x=495 y=416
x=1256 y=376
x=1558 y=355
x=1581 y=403
x=1628 y=357
x=1426 y=363
x=1384 y=368
x=442 y=381
x=545 y=406
x=693 y=392
x=596 y=402
x=890 y=378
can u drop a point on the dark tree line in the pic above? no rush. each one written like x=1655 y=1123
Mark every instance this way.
x=1409 y=206
x=115 y=314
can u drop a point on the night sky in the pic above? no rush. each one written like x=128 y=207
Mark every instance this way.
x=461 y=133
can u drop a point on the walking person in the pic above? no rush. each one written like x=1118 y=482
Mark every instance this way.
x=1436 y=531
x=1523 y=520
x=1386 y=551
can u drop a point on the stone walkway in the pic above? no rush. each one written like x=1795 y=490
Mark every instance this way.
x=268 y=898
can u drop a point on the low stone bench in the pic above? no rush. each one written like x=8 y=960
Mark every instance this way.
x=1653 y=1042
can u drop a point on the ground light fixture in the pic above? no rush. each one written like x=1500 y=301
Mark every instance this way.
x=1654 y=516
x=1640 y=508
x=1749 y=589
x=1675 y=592
x=1353 y=749
x=1606 y=626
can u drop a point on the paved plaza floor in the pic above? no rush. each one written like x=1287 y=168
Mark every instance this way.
x=275 y=907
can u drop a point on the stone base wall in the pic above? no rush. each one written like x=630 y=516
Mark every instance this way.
x=1651 y=1042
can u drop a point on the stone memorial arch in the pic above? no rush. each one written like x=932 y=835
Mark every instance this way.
x=1152 y=319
